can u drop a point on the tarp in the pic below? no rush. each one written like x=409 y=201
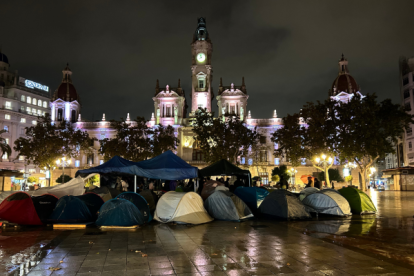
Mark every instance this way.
x=328 y=202
x=224 y=205
x=18 y=208
x=209 y=188
x=359 y=201
x=117 y=165
x=222 y=167
x=119 y=212
x=283 y=204
x=140 y=202
x=307 y=191
x=44 y=205
x=105 y=192
x=181 y=208
x=167 y=166
x=77 y=209
x=252 y=196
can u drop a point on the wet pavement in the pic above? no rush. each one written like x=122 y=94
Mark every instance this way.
x=379 y=244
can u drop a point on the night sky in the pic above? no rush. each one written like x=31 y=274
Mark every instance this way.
x=288 y=51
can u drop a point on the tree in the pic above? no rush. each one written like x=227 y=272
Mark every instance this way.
x=92 y=180
x=282 y=172
x=334 y=175
x=308 y=134
x=45 y=142
x=4 y=147
x=367 y=130
x=222 y=139
x=63 y=178
x=32 y=179
x=136 y=141
x=275 y=178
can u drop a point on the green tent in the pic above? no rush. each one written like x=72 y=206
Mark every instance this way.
x=359 y=201
x=222 y=167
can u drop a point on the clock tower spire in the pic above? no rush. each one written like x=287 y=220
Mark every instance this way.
x=201 y=69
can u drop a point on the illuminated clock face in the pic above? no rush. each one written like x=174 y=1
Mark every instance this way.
x=201 y=57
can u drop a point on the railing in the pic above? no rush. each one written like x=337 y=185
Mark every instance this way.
x=196 y=162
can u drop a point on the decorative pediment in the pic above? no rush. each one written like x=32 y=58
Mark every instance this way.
x=169 y=93
x=232 y=92
x=201 y=75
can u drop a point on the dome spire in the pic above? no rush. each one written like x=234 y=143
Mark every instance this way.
x=67 y=74
x=343 y=65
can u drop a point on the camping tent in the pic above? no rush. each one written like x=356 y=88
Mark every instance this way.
x=359 y=201
x=252 y=196
x=18 y=208
x=222 y=167
x=140 y=202
x=151 y=199
x=76 y=209
x=209 y=188
x=181 y=208
x=224 y=205
x=328 y=202
x=44 y=205
x=167 y=166
x=119 y=212
x=307 y=191
x=105 y=192
x=283 y=204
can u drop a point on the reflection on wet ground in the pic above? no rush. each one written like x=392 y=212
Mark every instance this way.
x=389 y=233
x=361 y=245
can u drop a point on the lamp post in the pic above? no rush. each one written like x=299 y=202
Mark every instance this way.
x=324 y=163
x=350 y=167
x=64 y=163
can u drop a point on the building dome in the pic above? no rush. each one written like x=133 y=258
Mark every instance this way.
x=3 y=58
x=345 y=83
x=66 y=90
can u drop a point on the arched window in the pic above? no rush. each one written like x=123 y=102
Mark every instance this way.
x=197 y=153
x=23 y=98
x=34 y=101
x=39 y=103
x=29 y=99
x=45 y=104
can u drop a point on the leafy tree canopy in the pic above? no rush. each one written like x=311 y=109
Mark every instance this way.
x=220 y=138
x=32 y=179
x=282 y=172
x=4 y=147
x=136 y=141
x=334 y=175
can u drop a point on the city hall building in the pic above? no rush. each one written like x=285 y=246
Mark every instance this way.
x=23 y=100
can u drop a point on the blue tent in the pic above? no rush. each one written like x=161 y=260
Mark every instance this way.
x=139 y=201
x=252 y=196
x=167 y=166
x=115 y=165
x=119 y=212
x=71 y=209
x=75 y=209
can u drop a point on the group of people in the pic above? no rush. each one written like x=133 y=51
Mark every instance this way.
x=317 y=183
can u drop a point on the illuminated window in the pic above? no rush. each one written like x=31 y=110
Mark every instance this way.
x=101 y=162
x=200 y=83
x=243 y=160
x=250 y=161
x=45 y=104
x=276 y=146
x=34 y=122
x=21 y=109
x=21 y=158
x=6 y=128
x=29 y=100
x=265 y=177
x=34 y=101
x=39 y=112
x=77 y=163
x=5 y=156
x=8 y=105
x=32 y=170
x=39 y=103
x=7 y=141
x=23 y=98
x=276 y=161
x=34 y=111
x=7 y=116
x=29 y=110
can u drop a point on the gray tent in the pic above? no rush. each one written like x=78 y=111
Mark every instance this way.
x=328 y=202
x=224 y=205
x=283 y=204
x=307 y=191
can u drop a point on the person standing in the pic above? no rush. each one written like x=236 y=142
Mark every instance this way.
x=310 y=183
x=333 y=185
x=317 y=183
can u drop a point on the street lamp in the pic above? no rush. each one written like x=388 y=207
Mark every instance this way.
x=350 y=167
x=64 y=163
x=324 y=162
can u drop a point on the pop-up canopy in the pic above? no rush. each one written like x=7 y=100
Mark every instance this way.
x=222 y=167
x=115 y=165
x=167 y=166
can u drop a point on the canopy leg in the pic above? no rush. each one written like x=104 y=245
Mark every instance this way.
x=135 y=183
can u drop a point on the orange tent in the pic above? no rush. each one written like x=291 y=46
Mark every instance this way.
x=304 y=178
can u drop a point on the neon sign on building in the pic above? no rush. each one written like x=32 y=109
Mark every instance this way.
x=32 y=84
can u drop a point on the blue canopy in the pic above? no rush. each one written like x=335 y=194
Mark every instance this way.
x=167 y=166
x=115 y=165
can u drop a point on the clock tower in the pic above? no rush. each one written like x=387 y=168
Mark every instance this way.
x=201 y=69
